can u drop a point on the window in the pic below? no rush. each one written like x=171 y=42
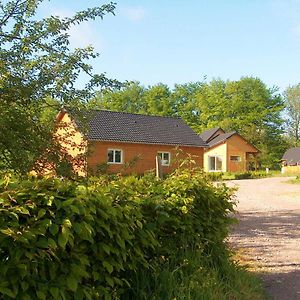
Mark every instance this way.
x=114 y=156
x=165 y=158
x=235 y=158
x=215 y=163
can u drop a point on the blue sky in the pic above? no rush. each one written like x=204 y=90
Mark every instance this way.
x=176 y=41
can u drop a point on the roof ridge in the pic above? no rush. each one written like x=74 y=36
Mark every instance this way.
x=136 y=114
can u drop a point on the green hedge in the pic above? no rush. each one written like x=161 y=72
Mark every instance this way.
x=218 y=176
x=86 y=240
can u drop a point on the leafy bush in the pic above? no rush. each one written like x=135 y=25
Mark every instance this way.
x=214 y=176
x=245 y=175
x=91 y=239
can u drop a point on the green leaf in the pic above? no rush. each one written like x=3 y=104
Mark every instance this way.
x=72 y=283
x=139 y=224
x=41 y=295
x=67 y=223
x=62 y=240
x=108 y=266
x=7 y=231
x=106 y=248
x=54 y=292
x=42 y=243
x=109 y=280
x=51 y=243
x=54 y=229
x=22 y=210
x=41 y=213
x=7 y=292
x=77 y=228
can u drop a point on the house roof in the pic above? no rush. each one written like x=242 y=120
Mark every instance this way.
x=105 y=125
x=292 y=156
x=221 y=138
x=208 y=134
x=213 y=137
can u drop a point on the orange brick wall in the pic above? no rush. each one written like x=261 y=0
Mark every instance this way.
x=237 y=146
x=143 y=155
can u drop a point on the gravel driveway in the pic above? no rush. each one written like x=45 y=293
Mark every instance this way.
x=268 y=233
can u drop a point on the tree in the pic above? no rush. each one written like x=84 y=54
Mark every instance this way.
x=36 y=63
x=127 y=99
x=292 y=105
x=246 y=106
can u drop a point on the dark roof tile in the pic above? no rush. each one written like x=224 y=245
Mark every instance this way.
x=221 y=138
x=105 y=125
x=292 y=156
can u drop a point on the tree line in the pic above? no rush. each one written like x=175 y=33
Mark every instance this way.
x=247 y=106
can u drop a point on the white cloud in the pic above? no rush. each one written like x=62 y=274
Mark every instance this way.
x=134 y=14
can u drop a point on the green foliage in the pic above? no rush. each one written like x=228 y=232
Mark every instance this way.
x=292 y=105
x=219 y=176
x=191 y=275
x=70 y=240
x=248 y=107
x=37 y=65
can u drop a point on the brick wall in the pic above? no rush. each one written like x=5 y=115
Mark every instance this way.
x=138 y=158
x=237 y=146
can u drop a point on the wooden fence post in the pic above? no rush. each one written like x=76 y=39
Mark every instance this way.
x=159 y=173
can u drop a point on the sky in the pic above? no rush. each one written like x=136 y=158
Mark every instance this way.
x=176 y=42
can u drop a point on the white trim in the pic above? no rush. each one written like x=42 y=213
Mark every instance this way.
x=209 y=166
x=163 y=162
x=239 y=158
x=114 y=155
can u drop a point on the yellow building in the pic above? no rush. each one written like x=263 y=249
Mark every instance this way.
x=228 y=152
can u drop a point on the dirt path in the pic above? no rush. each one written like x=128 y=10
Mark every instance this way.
x=269 y=232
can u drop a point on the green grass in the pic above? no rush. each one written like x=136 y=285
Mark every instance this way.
x=217 y=176
x=296 y=180
x=194 y=276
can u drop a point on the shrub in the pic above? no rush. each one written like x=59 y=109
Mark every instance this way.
x=90 y=239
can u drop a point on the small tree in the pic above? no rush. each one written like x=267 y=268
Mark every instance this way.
x=36 y=63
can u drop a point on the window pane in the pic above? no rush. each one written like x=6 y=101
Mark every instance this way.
x=235 y=158
x=212 y=165
x=218 y=163
x=118 y=156
x=110 y=156
x=166 y=157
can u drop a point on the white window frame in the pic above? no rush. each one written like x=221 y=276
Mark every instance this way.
x=161 y=155
x=215 y=157
x=235 y=160
x=114 y=157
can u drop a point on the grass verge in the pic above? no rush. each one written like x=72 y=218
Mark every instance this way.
x=191 y=275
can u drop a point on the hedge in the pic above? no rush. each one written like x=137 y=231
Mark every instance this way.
x=63 y=239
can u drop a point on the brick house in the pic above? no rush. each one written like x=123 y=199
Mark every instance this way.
x=125 y=142
x=228 y=152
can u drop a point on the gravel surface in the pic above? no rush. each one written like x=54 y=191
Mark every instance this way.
x=268 y=234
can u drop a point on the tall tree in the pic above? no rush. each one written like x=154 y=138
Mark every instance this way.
x=246 y=106
x=126 y=99
x=36 y=63
x=292 y=104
